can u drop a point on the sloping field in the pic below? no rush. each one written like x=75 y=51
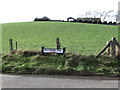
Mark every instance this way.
x=78 y=38
x=0 y=38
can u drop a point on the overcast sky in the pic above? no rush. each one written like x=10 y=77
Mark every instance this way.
x=27 y=10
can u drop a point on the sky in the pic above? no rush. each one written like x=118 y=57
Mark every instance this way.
x=27 y=10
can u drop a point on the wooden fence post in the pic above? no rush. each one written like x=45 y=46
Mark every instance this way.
x=108 y=45
x=117 y=44
x=113 y=48
x=64 y=49
x=11 y=45
x=42 y=51
x=16 y=45
x=58 y=43
x=108 y=49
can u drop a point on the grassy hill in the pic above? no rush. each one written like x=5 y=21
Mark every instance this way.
x=0 y=38
x=80 y=38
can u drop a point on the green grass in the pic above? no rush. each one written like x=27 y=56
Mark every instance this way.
x=80 y=38
x=119 y=33
x=69 y=64
x=0 y=38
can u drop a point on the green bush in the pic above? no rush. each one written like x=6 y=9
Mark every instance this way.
x=86 y=73
x=72 y=62
x=40 y=71
x=90 y=21
x=69 y=71
x=51 y=71
x=105 y=22
x=99 y=22
x=84 y=21
x=114 y=23
x=78 y=20
x=110 y=23
x=7 y=69
x=22 y=70
x=94 y=22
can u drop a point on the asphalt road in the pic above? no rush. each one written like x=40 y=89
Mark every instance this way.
x=44 y=81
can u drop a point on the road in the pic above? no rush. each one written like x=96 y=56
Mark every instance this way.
x=46 y=81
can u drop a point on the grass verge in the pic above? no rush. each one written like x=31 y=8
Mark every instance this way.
x=29 y=62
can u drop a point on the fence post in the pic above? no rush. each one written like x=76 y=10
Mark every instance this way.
x=11 y=45
x=117 y=44
x=108 y=49
x=16 y=45
x=42 y=51
x=58 y=43
x=64 y=49
x=113 y=49
x=108 y=45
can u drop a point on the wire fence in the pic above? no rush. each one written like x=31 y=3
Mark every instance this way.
x=83 y=51
x=69 y=49
x=80 y=49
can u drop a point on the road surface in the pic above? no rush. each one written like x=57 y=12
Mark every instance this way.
x=46 y=81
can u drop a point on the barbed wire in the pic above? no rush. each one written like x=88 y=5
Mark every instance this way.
x=70 y=49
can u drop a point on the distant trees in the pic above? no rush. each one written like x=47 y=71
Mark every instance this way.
x=95 y=17
x=42 y=19
x=106 y=13
x=88 y=13
x=98 y=14
x=100 y=17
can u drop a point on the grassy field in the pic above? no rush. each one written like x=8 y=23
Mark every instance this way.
x=0 y=38
x=80 y=38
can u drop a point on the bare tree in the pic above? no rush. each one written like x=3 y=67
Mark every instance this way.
x=95 y=13
x=106 y=14
x=88 y=13
x=113 y=16
x=101 y=13
x=116 y=16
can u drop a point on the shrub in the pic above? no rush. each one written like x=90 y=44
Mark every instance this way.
x=114 y=23
x=85 y=73
x=94 y=22
x=99 y=22
x=118 y=56
x=7 y=69
x=22 y=70
x=110 y=23
x=72 y=62
x=89 y=60
x=79 y=20
x=29 y=53
x=106 y=71
x=75 y=20
x=42 y=19
x=51 y=71
x=105 y=22
x=36 y=19
x=69 y=71
x=40 y=71
x=90 y=21
x=84 y=21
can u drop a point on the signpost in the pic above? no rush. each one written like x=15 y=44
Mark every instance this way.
x=52 y=50
x=56 y=50
x=48 y=50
